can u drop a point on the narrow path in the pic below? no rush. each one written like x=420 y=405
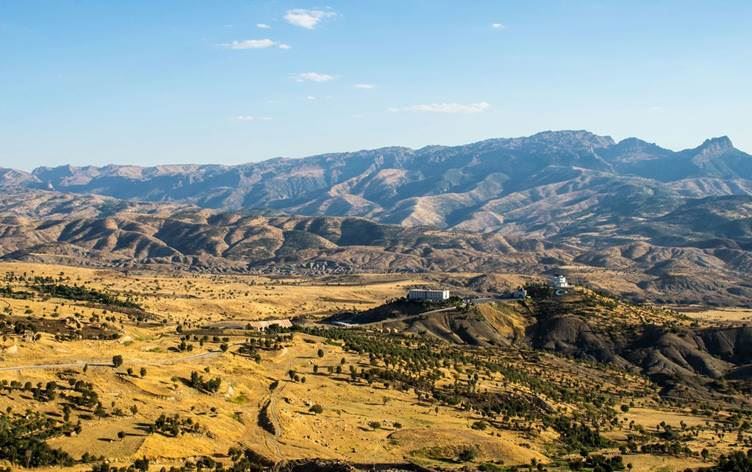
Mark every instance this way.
x=426 y=313
x=408 y=317
x=270 y=440
x=108 y=363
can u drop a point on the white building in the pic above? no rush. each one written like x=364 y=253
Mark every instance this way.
x=559 y=281
x=420 y=295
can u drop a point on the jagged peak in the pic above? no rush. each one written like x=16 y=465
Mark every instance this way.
x=633 y=142
x=710 y=149
x=551 y=138
x=632 y=146
x=572 y=137
x=716 y=144
x=61 y=168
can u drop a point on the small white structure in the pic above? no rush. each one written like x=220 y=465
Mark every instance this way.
x=559 y=281
x=420 y=295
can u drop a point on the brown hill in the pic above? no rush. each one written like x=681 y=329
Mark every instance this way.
x=673 y=258
x=543 y=182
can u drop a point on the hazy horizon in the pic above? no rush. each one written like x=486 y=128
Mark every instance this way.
x=29 y=169
x=157 y=83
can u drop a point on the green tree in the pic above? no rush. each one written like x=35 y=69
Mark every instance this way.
x=468 y=454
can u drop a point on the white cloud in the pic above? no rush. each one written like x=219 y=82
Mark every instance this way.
x=364 y=86
x=310 y=97
x=313 y=77
x=255 y=44
x=445 y=108
x=498 y=26
x=307 y=19
x=252 y=118
x=263 y=26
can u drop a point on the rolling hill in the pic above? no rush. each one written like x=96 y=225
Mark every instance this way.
x=698 y=253
x=664 y=225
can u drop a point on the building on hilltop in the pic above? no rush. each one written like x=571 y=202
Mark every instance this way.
x=559 y=281
x=421 y=295
x=560 y=285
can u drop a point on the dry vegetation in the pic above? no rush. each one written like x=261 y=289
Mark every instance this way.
x=167 y=367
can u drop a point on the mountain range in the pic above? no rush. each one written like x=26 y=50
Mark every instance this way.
x=678 y=224
x=482 y=186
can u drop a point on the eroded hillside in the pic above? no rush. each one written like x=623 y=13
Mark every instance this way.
x=699 y=253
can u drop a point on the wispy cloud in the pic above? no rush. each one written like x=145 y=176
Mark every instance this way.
x=312 y=77
x=255 y=44
x=263 y=26
x=252 y=118
x=307 y=19
x=498 y=26
x=364 y=86
x=444 y=108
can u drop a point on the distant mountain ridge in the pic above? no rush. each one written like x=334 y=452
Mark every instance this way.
x=645 y=221
x=496 y=184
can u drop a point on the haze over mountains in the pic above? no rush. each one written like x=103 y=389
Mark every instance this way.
x=678 y=223
x=478 y=186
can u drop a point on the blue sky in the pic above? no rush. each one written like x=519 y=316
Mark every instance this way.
x=196 y=81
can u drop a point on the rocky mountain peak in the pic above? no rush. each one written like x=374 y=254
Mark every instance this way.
x=573 y=138
x=475 y=185
x=716 y=145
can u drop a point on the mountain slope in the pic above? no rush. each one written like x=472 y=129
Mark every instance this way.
x=482 y=186
x=97 y=230
x=697 y=253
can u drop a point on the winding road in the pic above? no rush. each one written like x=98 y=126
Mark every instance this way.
x=343 y=324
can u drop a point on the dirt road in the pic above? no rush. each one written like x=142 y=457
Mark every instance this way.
x=108 y=363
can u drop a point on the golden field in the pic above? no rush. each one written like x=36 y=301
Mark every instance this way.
x=360 y=422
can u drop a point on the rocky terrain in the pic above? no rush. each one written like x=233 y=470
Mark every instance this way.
x=698 y=253
x=689 y=359
x=668 y=226
x=538 y=183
